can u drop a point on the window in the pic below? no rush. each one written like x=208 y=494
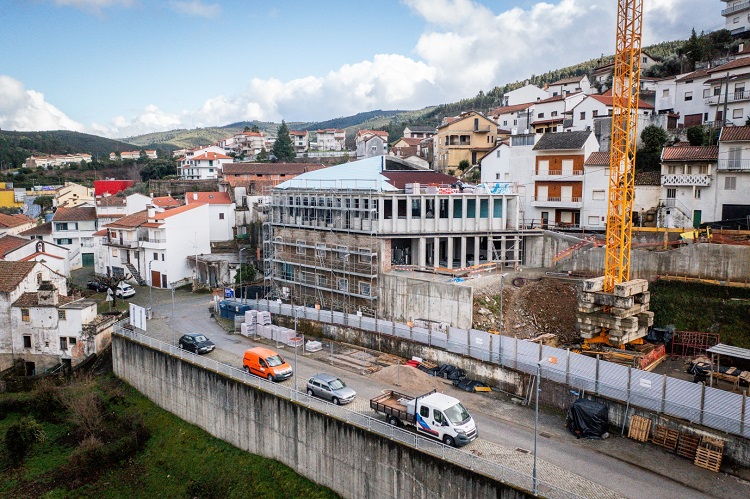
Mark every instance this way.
x=342 y=252
x=583 y=115
x=221 y=216
x=416 y=208
x=62 y=226
x=322 y=281
x=665 y=92
x=593 y=220
x=25 y=315
x=688 y=96
x=706 y=92
x=703 y=169
x=540 y=115
x=63 y=241
x=497 y=176
x=63 y=343
x=458 y=208
x=730 y=183
x=595 y=113
x=671 y=193
x=27 y=341
x=61 y=315
x=497 y=208
x=736 y=20
x=598 y=195
x=38 y=277
x=505 y=122
x=424 y=412
x=343 y=284
x=645 y=60
x=698 y=193
x=162 y=257
x=364 y=288
x=717 y=90
x=156 y=256
x=737 y=113
x=72 y=342
x=553 y=113
x=300 y=247
x=471 y=208
x=515 y=122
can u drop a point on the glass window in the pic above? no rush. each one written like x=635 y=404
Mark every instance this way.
x=27 y=341
x=737 y=113
x=416 y=208
x=458 y=208
x=583 y=115
x=688 y=96
x=497 y=208
x=61 y=315
x=484 y=208
x=424 y=412
x=471 y=207
x=25 y=315
x=300 y=247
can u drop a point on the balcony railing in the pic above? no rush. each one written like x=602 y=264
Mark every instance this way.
x=735 y=8
x=559 y=172
x=701 y=180
x=734 y=165
x=152 y=240
x=732 y=97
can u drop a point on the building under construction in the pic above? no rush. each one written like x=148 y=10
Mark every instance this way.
x=331 y=233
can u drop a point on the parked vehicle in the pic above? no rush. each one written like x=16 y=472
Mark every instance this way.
x=266 y=363
x=433 y=414
x=196 y=343
x=97 y=286
x=331 y=388
x=124 y=290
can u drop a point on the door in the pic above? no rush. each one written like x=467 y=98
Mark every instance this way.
x=696 y=218
x=164 y=281
x=87 y=259
x=545 y=219
x=567 y=167
x=566 y=193
x=426 y=423
x=541 y=192
x=543 y=167
x=156 y=279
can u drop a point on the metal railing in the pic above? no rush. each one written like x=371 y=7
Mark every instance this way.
x=462 y=458
x=734 y=165
x=735 y=8
x=703 y=180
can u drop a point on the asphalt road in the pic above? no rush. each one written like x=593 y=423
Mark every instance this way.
x=629 y=468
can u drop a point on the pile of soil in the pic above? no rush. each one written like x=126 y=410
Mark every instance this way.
x=412 y=381
x=537 y=307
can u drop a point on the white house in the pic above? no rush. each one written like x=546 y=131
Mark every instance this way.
x=371 y=143
x=665 y=95
x=691 y=98
x=527 y=93
x=597 y=106
x=331 y=139
x=515 y=118
x=569 y=85
x=73 y=228
x=110 y=208
x=300 y=140
x=728 y=87
x=733 y=176
x=419 y=132
x=553 y=114
x=21 y=249
x=14 y=224
x=595 y=197
x=221 y=213
x=204 y=166
x=41 y=232
x=737 y=17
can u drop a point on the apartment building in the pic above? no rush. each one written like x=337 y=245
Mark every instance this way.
x=571 y=85
x=527 y=93
x=689 y=185
x=554 y=114
x=220 y=211
x=57 y=160
x=468 y=137
x=334 y=233
x=203 y=164
x=22 y=249
x=73 y=228
x=419 y=132
x=514 y=118
x=110 y=208
x=300 y=140
x=331 y=139
x=132 y=155
x=371 y=143
x=725 y=92
x=71 y=195
x=737 y=17
x=595 y=106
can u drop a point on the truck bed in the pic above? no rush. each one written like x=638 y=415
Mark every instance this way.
x=392 y=403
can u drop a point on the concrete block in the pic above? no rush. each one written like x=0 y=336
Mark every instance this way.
x=595 y=284
x=584 y=297
x=610 y=300
x=643 y=298
x=627 y=338
x=646 y=319
x=602 y=319
x=587 y=308
x=628 y=312
x=631 y=288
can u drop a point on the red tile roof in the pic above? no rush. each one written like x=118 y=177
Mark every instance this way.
x=331 y=130
x=301 y=133
x=9 y=243
x=12 y=273
x=211 y=156
x=165 y=202
x=32 y=300
x=380 y=133
x=548 y=121
x=734 y=133
x=399 y=179
x=565 y=81
x=111 y=201
x=690 y=153
x=737 y=63
x=700 y=73
x=176 y=211
x=130 y=221
x=77 y=214
x=409 y=141
x=270 y=168
x=207 y=197
x=40 y=230
x=597 y=159
x=510 y=109
x=13 y=220
x=607 y=101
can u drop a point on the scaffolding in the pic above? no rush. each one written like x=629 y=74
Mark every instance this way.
x=693 y=343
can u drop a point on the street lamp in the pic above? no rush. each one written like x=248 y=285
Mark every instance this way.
x=295 y=341
x=239 y=256
x=551 y=360
x=150 y=287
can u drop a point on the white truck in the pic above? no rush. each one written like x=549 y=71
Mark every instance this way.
x=433 y=414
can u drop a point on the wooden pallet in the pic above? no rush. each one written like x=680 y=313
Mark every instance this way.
x=665 y=437
x=714 y=444
x=640 y=428
x=688 y=445
x=709 y=459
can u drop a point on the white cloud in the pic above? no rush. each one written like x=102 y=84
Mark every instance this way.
x=22 y=109
x=197 y=8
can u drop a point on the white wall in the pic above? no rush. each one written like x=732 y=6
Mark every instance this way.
x=60 y=265
x=221 y=229
x=595 y=197
x=665 y=102
x=187 y=234
x=698 y=103
x=527 y=93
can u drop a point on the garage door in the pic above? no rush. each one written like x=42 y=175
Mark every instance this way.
x=87 y=259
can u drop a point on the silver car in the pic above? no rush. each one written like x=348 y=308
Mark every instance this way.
x=330 y=388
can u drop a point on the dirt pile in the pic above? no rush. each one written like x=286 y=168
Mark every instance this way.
x=412 y=381
x=537 y=307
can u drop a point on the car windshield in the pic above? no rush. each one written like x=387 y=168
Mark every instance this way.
x=337 y=384
x=457 y=414
x=275 y=360
x=199 y=338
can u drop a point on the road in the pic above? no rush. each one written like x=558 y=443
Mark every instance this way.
x=621 y=465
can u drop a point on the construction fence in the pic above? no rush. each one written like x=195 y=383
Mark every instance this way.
x=694 y=402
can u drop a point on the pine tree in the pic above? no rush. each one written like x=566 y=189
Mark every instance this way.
x=283 y=148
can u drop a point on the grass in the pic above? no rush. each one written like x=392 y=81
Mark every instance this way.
x=177 y=460
x=703 y=307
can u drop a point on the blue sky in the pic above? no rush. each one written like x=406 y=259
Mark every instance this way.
x=124 y=67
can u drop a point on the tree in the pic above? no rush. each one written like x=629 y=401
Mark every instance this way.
x=283 y=148
x=255 y=129
x=696 y=135
x=463 y=165
x=112 y=280
x=654 y=138
x=44 y=201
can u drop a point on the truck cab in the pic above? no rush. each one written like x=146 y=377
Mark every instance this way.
x=443 y=417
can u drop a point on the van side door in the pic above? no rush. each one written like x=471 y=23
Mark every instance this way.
x=440 y=423
x=425 y=422
x=262 y=367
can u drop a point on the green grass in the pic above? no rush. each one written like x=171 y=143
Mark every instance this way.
x=178 y=460
x=703 y=307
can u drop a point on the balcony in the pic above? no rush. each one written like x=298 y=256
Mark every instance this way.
x=557 y=202
x=482 y=129
x=732 y=97
x=557 y=175
x=700 y=180
x=735 y=8
x=123 y=243
x=734 y=165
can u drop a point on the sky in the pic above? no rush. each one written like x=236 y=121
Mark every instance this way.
x=120 y=68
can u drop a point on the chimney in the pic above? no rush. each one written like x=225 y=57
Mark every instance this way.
x=151 y=195
x=47 y=294
x=195 y=196
x=151 y=212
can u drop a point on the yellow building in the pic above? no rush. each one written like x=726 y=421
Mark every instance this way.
x=8 y=196
x=466 y=137
x=71 y=195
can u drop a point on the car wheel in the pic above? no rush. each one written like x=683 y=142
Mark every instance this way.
x=269 y=378
x=180 y=346
x=309 y=392
x=336 y=401
x=448 y=440
x=247 y=370
x=393 y=420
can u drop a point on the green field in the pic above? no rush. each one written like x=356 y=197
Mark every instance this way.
x=104 y=439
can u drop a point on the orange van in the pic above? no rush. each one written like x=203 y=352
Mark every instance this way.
x=266 y=363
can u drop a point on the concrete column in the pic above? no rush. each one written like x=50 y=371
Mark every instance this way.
x=505 y=212
x=409 y=228
x=449 y=251
x=436 y=252
x=463 y=251
x=517 y=249
x=450 y=213
x=422 y=259
x=476 y=250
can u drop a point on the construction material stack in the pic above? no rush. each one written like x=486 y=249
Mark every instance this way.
x=623 y=314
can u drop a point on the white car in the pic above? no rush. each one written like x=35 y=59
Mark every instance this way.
x=124 y=290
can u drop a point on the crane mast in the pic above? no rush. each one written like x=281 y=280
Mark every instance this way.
x=625 y=93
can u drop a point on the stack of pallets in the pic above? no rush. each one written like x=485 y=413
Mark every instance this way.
x=709 y=452
x=640 y=428
x=665 y=437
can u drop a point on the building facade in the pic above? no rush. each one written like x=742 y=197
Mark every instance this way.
x=467 y=137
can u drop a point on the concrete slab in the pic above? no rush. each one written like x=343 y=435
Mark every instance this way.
x=628 y=312
x=595 y=284
x=631 y=288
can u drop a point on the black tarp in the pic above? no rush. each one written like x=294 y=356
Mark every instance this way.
x=588 y=419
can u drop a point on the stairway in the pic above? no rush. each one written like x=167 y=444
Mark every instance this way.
x=136 y=275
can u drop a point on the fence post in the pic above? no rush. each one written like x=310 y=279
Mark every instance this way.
x=663 y=391
x=540 y=351
x=500 y=350
x=515 y=353
x=742 y=417
x=596 y=381
x=567 y=368
x=703 y=400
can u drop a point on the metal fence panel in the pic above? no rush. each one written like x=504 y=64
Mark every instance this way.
x=495 y=342
x=285 y=309
x=420 y=335
x=582 y=372
x=613 y=380
x=646 y=389
x=325 y=316
x=528 y=356
x=310 y=314
x=438 y=339
x=338 y=318
x=554 y=363
x=458 y=341
x=369 y=324
x=722 y=410
x=479 y=344
x=683 y=399
x=508 y=351
x=385 y=327
x=402 y=331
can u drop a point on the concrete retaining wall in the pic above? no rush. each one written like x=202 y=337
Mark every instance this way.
x=404 y=299
x=351 y=461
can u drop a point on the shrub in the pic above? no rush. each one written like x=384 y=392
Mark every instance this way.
x=46 y=403
x=87 y=455
x=86 y=412
x=20 y=437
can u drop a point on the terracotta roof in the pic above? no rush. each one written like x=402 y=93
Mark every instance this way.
x=510 y=109
x=734 y=133
x=176 y=211
x=207 y=197
x=12 y=273
x=699 y=73
x=737 y=63
x=40 y=230
x=548 y=121
x=111 y=201
x=562 y=140
x=607 y=101
x=690 y=153
x=301 y=133
x=331 y=130
x=130 y=221
x=571 y=79
x=597 y=159
x=399 y=179
x=102 y=232
x=420 y=128
x=211 y=156
x=165 y=202
x=9 y=243
x=270 y=168
x=380 y=133
x=647 y=178
x=554 y=98
x=252 y=134
x=79 y=213
x=32 y=300
x=13 y=220
x=410 y=141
